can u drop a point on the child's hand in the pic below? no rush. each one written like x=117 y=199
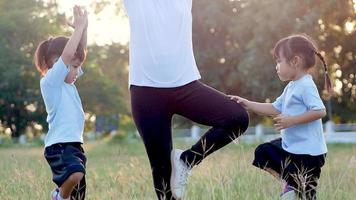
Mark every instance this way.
x=283 y=122
x=244 y=102
x=71 y=24
x=80 y=18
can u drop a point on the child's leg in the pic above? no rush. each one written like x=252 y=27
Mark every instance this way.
x=312 y=183
x=67 y=187
x=273 y=173
x=303 y=174
x=78 y=192
x=67 y=162
x=299 y=172
x=309 y=182
x=301 y=182
x=270 y=159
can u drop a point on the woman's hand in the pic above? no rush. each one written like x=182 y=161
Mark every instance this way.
x=244 y=102
x=283 y=122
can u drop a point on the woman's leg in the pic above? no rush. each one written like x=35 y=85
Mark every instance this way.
x=152 y=115
x=205 y=105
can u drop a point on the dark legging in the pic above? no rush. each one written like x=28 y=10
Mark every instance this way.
x=153 y=109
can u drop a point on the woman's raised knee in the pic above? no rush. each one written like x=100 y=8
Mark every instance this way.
x=240 y=122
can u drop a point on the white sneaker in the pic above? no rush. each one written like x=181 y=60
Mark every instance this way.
x=180 y=174
x=290 y=195
x=55 y=194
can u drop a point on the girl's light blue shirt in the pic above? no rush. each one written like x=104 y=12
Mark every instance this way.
x=298 y=97
x=63 y=105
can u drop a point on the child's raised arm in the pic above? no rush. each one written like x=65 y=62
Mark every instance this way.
x=83 y=40
x=74 y=70
x=80 y=23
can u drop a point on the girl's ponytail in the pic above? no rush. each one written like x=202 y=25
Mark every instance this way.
x=328 y=85
x=40 y=57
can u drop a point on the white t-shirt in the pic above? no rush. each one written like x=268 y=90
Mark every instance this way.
x=63 y=105
x=161 y=49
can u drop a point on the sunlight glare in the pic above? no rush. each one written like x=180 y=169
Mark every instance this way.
x=350 y=26
x=105 y=27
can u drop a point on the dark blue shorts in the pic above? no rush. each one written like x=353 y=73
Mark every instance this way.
x=299 y=171
x=64 y=160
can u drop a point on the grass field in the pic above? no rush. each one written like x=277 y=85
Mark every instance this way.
x=121 y=171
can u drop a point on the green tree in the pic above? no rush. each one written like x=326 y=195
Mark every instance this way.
x=233 y=42
x=104 y=87
x=22 y=25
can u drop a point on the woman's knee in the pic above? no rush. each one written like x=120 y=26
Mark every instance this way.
x=244 y=120
x=240 y=122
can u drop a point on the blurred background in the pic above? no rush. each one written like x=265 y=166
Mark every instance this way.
x=232 y=42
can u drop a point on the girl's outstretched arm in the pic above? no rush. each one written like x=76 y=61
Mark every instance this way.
x=259 y=108
x=263 y=108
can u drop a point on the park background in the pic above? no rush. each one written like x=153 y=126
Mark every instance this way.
x=232 y=40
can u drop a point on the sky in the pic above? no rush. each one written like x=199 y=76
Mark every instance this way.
x=106 y=26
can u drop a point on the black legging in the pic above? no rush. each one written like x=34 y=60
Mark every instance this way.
x=153 y=109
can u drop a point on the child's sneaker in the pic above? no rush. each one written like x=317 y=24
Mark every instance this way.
x=55 y=194
x=180 y=174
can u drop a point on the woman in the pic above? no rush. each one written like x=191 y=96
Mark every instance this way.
x=163 y=81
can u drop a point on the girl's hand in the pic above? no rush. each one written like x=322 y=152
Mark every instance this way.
x=71 y=24
x=283 y=122
x=244 y=102
x=80 y=18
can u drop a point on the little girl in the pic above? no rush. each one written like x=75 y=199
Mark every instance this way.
x=296 y=157
x=59 y=60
